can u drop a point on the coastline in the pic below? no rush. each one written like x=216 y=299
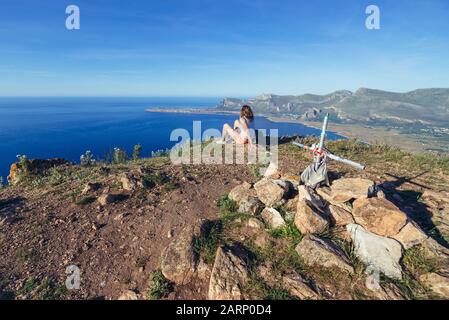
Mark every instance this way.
x=366 y=134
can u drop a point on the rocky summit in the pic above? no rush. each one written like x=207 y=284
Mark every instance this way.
x=149 y=229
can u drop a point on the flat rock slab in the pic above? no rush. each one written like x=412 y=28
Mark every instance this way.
x=228 y=277
x=323 y=252
x=378 y=253
x=379 y=216
x=346 y=189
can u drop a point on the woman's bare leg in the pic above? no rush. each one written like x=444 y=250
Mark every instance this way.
x=228 y=130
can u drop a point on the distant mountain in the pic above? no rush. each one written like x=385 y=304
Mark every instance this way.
x=423 y=107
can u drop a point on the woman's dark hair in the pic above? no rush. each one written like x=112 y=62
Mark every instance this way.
x=247 y=113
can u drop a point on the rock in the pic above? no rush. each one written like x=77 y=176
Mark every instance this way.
x=437 y=283
x=323 y=252
x=129 y=182
x=178 y=261
x=435 y=250
x=128 y=295
x=378 y=253
x=108 y=198
x=293 y=283
x=308 y=219
x=272 y=170
x=251 y=205
x=91 y=187
x=389 y=292
x=346 y=189
x=410 y=235
x=379 y=216
x=229 y=276
x=271 y=192
x=305 y=193
x=203 y=270
x=272 y=218
x=326 y=194
x=339 y=216
x=254 y=223
x=290 y=209
x=242 y=191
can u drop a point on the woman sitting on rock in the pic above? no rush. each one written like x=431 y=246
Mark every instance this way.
x=241 y=132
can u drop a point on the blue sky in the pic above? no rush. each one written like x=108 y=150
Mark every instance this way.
x=220 y=47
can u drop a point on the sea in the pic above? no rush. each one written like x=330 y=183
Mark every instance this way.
x=43 y=128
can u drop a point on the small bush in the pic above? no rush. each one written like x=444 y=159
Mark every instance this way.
x=226 y=204
x=87 y=159
x=160 y=153
x=120 y=156
x=289 y=231
x=137 y=151
x=160 y=286
x=152 y=180
x=206 y=247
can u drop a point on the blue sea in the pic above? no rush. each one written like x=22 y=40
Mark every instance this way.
x=67 y=127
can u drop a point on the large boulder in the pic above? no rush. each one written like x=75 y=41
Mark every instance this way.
x=229 y=276
x=323 y=252
x=241 y=192
x=271 y=192
x=178 y=261
x=437 y=283
x=378 y=253
x=411 y=235
x=346 y=189
x=309 y=219
x=379 y=216
x=272 y=218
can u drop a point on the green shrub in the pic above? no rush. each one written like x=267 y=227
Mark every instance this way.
x=137 y=151
x=120 y=156
x=160 y=286
x=206 y=246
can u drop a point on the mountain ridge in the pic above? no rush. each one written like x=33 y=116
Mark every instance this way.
x=429 y=107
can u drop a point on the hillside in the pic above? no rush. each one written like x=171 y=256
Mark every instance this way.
x=421 y=114
x=147 y=229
